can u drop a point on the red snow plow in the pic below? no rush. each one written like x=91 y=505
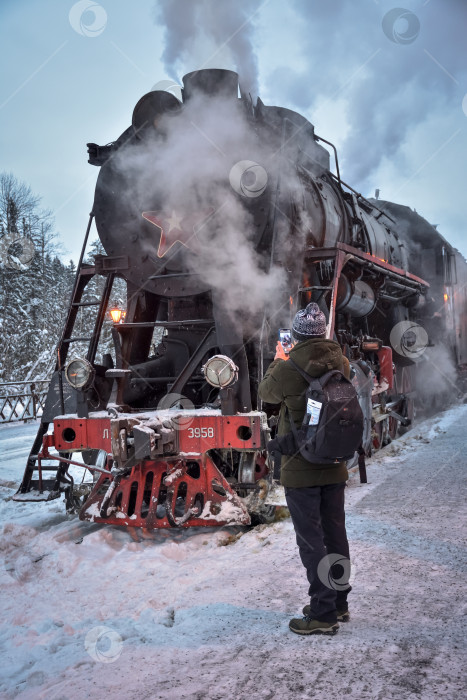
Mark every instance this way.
x=158 y=469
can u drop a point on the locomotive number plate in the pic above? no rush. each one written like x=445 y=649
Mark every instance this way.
x=200 y=432
x=207 y=432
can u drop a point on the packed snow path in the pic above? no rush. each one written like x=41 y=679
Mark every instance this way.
x=94 y=612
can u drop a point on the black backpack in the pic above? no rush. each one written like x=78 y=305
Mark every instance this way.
x=333 y=431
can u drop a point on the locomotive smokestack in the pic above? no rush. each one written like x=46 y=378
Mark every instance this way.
x=211 y=82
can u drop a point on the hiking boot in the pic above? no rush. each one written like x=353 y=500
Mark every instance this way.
x=342 y=615
x=307 y=625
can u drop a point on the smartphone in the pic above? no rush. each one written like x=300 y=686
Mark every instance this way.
x=285 y=338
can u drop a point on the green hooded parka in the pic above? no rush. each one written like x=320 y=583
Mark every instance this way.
x=283 y=384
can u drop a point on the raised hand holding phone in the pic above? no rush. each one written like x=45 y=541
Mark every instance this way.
x=285 y=339
x=284 y=344
x=280 y=352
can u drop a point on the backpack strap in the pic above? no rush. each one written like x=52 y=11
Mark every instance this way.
x=302 y=371
x=313 y=381
x=315 y=386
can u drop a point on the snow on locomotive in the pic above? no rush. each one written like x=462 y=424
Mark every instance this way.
x=222 y=218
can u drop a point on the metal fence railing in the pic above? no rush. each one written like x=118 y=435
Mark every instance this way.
x=22 y=400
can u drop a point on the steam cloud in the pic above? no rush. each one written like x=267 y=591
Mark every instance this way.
x=187 y=172
x=210 y=34
x=394 y=82
x=393 y=85
x=438 y=364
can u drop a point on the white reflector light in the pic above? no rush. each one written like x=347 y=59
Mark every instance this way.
x=220 y=371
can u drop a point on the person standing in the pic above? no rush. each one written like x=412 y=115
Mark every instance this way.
x=314 y=492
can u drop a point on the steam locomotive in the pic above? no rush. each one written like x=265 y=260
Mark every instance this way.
x=222 y=217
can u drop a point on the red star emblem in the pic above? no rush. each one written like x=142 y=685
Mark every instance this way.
x=176 y=228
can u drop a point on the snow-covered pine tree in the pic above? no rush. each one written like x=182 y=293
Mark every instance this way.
x=33 y=296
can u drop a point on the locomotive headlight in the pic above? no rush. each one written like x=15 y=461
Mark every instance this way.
x=220 y=371
x=79 y=373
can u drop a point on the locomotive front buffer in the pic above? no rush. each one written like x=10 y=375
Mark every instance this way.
x=158 y=469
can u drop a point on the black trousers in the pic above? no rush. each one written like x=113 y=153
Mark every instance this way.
x=318 y=518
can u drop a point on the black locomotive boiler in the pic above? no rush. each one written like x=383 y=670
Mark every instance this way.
x=221 y=218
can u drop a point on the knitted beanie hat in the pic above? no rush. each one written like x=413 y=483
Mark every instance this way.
x=309 y=323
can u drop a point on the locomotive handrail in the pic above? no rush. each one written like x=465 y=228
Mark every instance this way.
x=391 y=269
x=338 y=178
x=416 y=281
x=123 y=328
x=90 y=467
x=360 y=196
x=367 y=258
x=164 y=324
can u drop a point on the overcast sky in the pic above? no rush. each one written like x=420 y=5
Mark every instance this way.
x=387 y=83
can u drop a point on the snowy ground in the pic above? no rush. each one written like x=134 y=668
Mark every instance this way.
x=95 y=612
